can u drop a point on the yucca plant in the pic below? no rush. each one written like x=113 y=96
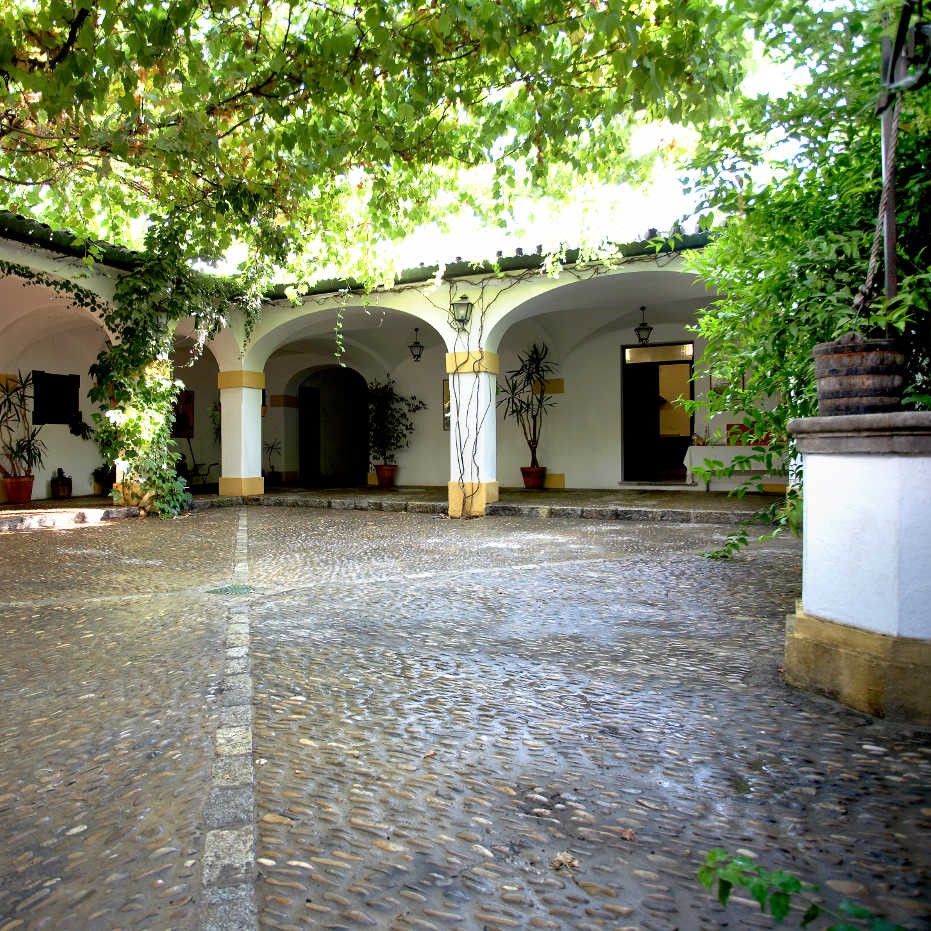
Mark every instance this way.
x=524 y=396
x=21 y=450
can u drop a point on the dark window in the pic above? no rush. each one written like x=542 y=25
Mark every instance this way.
x=55 y=398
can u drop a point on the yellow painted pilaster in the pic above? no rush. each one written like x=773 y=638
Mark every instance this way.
x=241 y=378
x=471 y=363
x=234 y=485
x=470 y=499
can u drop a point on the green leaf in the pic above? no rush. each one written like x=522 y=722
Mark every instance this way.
x=779 y=905
x=759 y=889
x=707 y=876
x=852 y=910
x=724 y=891
x=811 y=913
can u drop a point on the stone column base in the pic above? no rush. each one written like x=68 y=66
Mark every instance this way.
x=883 y=675
x=235 y=485
x=469 y=499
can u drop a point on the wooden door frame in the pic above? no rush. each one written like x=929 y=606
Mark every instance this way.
x=625 y=364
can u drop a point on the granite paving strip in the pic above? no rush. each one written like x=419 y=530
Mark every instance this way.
x=109 y=705
x=63 y=517
x=229 y=846
x=682 y=506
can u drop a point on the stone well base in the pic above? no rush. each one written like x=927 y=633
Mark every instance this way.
x=882 y=675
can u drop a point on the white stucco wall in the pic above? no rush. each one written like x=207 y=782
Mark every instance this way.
x=582 y=434
x=425 y=462
x=69 y=350
x=867 y=549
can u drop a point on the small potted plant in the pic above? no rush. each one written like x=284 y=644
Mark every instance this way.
x=391 y=424
x=272 y=448
x=524 y=398
x=21 y=450
x=104 y=477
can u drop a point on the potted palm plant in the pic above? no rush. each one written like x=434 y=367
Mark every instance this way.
x=272 y=448
x=524 y=398
x=21 y=450
x=391 y=424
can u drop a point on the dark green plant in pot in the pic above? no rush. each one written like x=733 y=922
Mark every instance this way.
x=21 y=450
x=391 y=420
x=272 y=448
x=524 y=396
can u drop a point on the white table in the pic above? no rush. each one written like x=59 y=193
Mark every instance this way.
x=696 y=456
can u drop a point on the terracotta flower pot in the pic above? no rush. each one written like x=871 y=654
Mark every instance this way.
x=18 y=489
x=386 y=474
x=534 y=476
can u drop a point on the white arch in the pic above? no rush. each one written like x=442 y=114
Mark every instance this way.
x=622 y=290
x=280 y=327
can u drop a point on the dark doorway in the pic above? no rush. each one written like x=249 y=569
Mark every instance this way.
x=656 y=430
x=334 y=428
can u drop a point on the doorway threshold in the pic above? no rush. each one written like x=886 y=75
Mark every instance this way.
x=658 y=486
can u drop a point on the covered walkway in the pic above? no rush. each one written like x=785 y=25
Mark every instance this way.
x=632 y=504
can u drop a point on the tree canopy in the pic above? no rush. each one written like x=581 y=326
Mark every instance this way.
x=797 y=178
x=304 y=128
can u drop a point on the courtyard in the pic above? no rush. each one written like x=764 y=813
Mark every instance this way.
x=284 y=717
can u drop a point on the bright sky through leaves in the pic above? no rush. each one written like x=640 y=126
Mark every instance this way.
x=314 y=133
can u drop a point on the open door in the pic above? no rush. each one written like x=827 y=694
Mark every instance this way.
x=334 y=428
x=656 y=430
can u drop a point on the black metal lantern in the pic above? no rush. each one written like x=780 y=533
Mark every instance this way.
x=416 y=347
x=643 y=329
x=460 y=312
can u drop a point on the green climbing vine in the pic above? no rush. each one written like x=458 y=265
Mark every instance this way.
x=134 y=378
x=134 y=383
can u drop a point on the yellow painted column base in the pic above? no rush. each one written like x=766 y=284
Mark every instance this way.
x=235 y=485
x=470 y=499
x=882 y=675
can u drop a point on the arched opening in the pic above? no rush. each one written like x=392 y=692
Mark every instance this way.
x=196 y=430
x=333 y=420
x=614 y=399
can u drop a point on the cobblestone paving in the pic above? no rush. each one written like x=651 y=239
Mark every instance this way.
x=486 y=724
x=446 y=710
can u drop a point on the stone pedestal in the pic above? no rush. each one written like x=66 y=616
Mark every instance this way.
x=862 y=633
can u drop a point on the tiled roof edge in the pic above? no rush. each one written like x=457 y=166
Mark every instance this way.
x=33 y=233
